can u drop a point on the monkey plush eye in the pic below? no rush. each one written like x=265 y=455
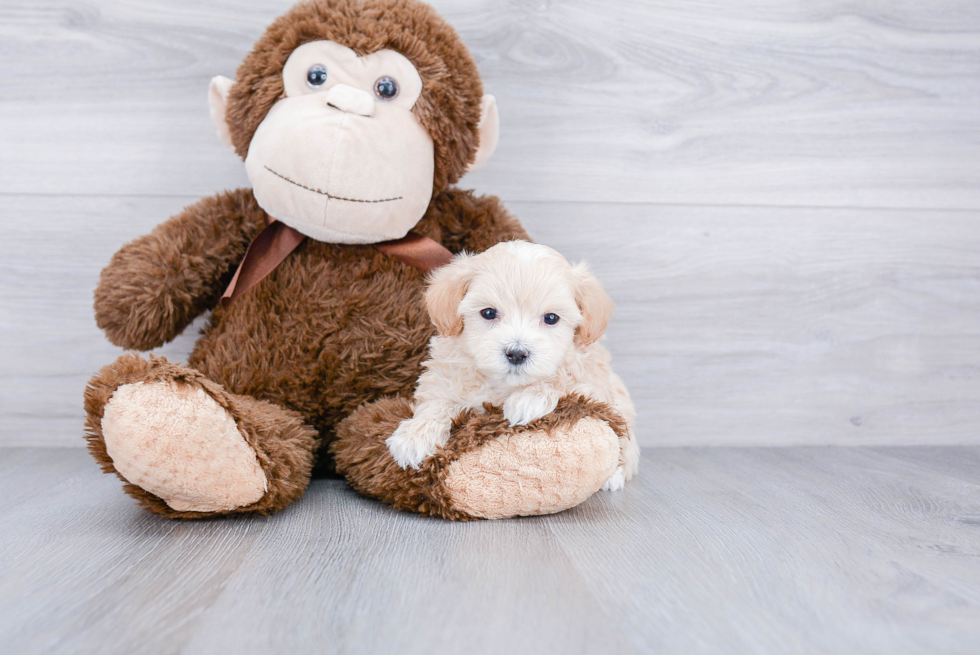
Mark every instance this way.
x=489 y=313
x=386 y=88
x=316 y=76
x=550 y=319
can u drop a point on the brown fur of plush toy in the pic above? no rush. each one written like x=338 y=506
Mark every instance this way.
x=334 y=327
x=156 y=285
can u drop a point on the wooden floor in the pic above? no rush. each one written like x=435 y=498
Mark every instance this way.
x=712 y=550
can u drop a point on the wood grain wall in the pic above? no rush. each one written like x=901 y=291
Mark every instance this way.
x=784 y=198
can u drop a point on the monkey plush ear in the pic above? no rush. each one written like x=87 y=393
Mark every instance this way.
x=594 y=303
x=447 y=286
x=218 y=103
x=489 y=132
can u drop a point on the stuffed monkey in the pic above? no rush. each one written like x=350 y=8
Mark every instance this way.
x=354 y=119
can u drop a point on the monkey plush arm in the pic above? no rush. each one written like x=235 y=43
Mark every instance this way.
x=156 y=285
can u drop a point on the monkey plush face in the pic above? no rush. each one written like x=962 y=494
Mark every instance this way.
x=355 y=142
x=341 y=158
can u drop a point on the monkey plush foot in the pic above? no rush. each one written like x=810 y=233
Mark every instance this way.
x=176 y=442
x=187 y=448
x=488 y=469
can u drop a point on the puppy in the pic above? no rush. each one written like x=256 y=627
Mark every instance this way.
x=518 y=327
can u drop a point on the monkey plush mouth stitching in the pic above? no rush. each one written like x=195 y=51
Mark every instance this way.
x=324 y=193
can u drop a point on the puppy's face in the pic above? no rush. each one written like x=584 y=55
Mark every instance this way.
x=517 y=309
x=519 y=317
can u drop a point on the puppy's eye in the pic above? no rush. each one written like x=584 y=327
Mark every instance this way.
x=550 y=319
x=489 y=313
x=316 y=76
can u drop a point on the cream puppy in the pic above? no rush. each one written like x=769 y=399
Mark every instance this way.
x=518 y=327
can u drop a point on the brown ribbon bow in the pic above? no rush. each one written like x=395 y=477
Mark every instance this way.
x=277 y=240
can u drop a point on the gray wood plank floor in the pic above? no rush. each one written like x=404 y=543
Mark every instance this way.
x=719 y=550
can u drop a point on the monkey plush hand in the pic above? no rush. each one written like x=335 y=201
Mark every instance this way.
x=354 y=118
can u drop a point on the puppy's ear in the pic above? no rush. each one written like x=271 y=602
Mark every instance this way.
x=447 y=286
x=594 y=303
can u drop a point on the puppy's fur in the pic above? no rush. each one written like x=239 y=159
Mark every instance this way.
x=496 y=344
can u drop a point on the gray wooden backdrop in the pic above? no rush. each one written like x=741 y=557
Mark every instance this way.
x=783 y=197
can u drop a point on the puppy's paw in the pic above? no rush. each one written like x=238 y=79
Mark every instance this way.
x=523 y=407
x=616 y=481
x=414 y=440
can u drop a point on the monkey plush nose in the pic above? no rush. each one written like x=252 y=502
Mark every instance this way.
x=516 y=355
x=353 y=101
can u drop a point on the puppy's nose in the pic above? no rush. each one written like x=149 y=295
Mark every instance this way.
x=516 y=355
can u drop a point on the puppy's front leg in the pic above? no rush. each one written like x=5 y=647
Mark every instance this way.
x=530 y=403
x=419 y=437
